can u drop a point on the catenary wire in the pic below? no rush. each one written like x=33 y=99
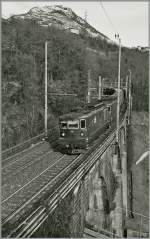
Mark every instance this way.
x=108 y=18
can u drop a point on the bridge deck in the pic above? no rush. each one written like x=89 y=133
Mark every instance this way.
x=26 y=178
x=88 y=233
x=41 y=174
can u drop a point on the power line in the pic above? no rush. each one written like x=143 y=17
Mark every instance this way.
x=108 y=18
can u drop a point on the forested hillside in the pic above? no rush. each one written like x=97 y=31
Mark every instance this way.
x=68 y=63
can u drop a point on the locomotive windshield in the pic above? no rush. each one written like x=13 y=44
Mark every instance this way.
x=73 y=124
x=82 y=123
x=63 y=125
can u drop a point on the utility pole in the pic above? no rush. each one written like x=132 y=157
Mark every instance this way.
x=89 y=85
x=130 y=98
x=100 y=90
x=46 y=88
x=118 y=95
x=126 y=83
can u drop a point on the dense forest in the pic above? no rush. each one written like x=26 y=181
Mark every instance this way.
x=69 y=60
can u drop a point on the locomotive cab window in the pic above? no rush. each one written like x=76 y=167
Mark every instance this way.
x=63 y=125
x=82 y=123
x=73 y=124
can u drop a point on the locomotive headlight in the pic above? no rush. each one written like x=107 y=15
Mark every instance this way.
x=63 y=134
x=82 y=133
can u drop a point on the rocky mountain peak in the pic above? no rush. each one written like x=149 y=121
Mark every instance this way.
x=61 y=17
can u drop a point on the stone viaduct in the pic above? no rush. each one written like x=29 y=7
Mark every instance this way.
x=99 y=199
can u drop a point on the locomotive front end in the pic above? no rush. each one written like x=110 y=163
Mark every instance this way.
x=73 y=134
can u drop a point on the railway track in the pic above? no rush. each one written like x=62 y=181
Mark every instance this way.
x=18 y=156
x=47 y=181
x=19 y=168
x=32 y=191
x=12 y=164
x=99 y=234
x=76 y=170
x=88 y=233
x=24 y=206
x=21 y=147
x=27 y=173
x=8 y=153
x=21 y=198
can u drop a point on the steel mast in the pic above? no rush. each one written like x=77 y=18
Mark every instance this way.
x=46 y=88
x=118 y=95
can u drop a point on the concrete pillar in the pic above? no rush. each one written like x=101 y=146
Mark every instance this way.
x=75 y=223
x=115 y=160
x=116 y=215
x=124 y=178
x=78 y=216
x=82 y=208
x=86 y=193
x=96 y=215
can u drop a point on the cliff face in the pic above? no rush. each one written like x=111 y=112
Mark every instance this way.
x=138 y=139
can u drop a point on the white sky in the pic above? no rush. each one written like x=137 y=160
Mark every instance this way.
x=129 y=18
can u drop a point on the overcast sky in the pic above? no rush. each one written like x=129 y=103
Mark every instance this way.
x=130 y=19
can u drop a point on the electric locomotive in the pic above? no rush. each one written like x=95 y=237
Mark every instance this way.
x=79 y=129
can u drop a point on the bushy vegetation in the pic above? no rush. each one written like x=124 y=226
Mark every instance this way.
x=69 y=60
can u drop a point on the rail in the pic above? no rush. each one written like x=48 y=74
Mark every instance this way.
x=92 y=233
x=24 y=145
x=40 y=214
x=21 y=146
x=100 y=233
x=34 y=221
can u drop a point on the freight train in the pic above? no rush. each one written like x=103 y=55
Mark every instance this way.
x=79 y=129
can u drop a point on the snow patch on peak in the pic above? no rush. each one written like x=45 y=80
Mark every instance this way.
x=50 y=9
x=62 y=17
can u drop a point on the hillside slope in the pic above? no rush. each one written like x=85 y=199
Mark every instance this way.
x=62 y=18
x=69 y=59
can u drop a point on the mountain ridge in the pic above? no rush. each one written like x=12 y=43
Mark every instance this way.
x=61 y=17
